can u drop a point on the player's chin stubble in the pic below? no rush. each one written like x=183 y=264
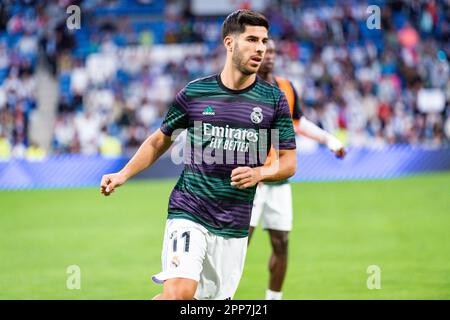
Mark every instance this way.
x=238 y=62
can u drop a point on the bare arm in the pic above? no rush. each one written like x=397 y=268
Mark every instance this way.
x=309 y=129
x=150 y=150
x=280 y=169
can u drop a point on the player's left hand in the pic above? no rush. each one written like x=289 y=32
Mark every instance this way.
x=245 y=177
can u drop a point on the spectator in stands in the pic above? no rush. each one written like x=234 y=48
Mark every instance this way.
x=65 y=135
x=88 y=128
x=35 y=152
x=110 y=146
x=5 y=148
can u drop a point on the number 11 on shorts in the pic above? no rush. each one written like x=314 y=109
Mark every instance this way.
x=186 y=235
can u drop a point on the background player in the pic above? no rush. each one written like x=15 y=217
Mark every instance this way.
x=206 y=234
x=273 y=201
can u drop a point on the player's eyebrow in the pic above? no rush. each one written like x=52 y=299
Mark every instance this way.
x=252 y=37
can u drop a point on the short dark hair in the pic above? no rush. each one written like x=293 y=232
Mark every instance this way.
x=237 y=20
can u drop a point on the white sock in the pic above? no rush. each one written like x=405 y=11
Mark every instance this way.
x=273 y=295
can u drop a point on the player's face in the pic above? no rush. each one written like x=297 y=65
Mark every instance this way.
x=269 y=58
x=249 y=49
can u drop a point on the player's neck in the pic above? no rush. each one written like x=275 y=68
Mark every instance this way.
x=269 y=77
x=236 y=80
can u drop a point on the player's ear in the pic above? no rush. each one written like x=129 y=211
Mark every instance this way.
x=228 y=42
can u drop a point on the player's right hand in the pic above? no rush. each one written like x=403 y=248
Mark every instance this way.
x=110 y=182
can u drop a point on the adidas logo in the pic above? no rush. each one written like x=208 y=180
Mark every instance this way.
x=208 y=111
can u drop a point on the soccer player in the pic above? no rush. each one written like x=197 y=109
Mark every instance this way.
x=273 y=201
x=226 y=115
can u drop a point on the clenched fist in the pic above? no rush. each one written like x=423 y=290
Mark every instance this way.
x=110 y=182
x=245 y=177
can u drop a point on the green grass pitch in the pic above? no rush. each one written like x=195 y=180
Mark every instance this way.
x=340 y=228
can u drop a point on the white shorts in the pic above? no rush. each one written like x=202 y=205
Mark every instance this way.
x=191 y=251
x=273 y=205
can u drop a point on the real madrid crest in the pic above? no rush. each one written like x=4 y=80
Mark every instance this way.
x=175 y=262
x=256 y=116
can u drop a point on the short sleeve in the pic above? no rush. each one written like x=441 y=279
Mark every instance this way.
x=283 y=123
x=177 y=116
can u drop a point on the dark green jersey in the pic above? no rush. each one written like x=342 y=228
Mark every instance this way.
x=226 y=129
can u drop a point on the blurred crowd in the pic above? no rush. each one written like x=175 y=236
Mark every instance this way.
x=116 y=77
x=383 y=86
x=30 y=31
x=18 y=55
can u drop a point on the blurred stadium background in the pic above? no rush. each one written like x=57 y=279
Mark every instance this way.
x=75 y=104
